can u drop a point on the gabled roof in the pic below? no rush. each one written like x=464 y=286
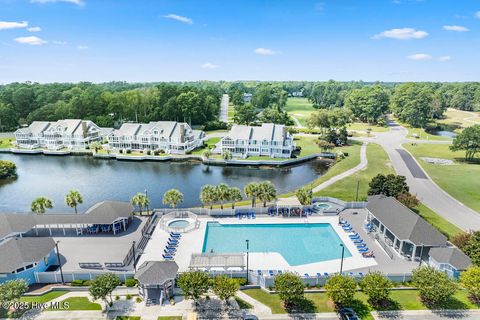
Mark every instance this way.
x=403 y=222
x=15 y=223
x=105 y=212
x=156 y=272
x=240 y=132
x=20 y=252
x=268 y=132
x=452 y=256
x=36 y=127
x=167 y=129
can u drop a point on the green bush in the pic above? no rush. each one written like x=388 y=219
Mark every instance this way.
x=435 y=287
x=149 y=152
x=341 y=289
x=80 y=283
x=128 y=297
x=131 y=282
x=156 y=152
x=377 y=287
x=129 y=151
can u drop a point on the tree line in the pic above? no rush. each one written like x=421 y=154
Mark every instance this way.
x=106 y=104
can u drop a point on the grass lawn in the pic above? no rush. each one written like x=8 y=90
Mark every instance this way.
x=127 y=318
x=460 y=119
x=345 y=189
x=78 y=304
x=243 y=304
x=30 y=299
x=360 y=126
x=460 y=180
x=208 y=143
x=401 y=300
x=300 y=108
x=6 y=143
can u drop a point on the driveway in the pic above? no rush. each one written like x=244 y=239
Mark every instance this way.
x=420 y=184
x=224 y=108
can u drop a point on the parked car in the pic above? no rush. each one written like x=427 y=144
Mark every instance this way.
x=348 y=314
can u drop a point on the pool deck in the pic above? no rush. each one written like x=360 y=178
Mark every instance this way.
x=192 y=242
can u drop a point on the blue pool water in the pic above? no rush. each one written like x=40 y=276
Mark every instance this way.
x=297 y=243
x=322 y=205
x=179 y=224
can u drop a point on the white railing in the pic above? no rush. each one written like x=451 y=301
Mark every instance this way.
x=171 y=216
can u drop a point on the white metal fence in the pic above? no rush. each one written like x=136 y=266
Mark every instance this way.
x=56 y=277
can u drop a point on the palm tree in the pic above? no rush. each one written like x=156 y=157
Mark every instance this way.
x=96 y=145
x=41 y=204
x=207 y=154
x=234 y=195
x=172 y=197
x=73 y=199
x=251 y=191
x=304 y=195
x=140 y=200
x=222 y=193
x=207 y=195
x=267 y=192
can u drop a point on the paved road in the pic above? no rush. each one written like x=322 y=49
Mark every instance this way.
x=425 y=189
x=224 y=108
x=427 y=315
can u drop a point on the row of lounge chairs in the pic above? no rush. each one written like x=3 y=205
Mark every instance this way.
x=171 y=247
x=247 y=215
x=356 y=239
x=272 y=273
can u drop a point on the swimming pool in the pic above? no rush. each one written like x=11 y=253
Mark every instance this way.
x=322 y=205
x=298 y=243
x=180 y=223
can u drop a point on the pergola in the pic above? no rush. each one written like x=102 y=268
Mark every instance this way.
x=225 y=261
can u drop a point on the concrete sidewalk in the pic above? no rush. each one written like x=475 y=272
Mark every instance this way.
x=428 y=314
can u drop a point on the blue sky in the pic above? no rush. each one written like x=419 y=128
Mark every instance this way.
x=180 y=40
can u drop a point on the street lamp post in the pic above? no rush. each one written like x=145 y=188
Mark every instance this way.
x=248 y=242
x=343 y=254
x=134 y=260
x=59 y=262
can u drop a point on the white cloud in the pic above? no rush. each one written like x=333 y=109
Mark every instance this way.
x=264 y=52
x=4 y=25
x=420 y=57
x=401 y=34
x=455 y=28
x=76 y=2
x=34 y=29
x=32 y=40
x=82 y=47
x=59 y=43
x=444 y=58
x=181 y=19
x=477 y=14
x=209 y=65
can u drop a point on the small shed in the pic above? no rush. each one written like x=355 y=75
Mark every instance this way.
x=450 y=260
x=156 y=280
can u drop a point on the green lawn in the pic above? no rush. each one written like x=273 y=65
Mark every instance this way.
x=6 y=143
x=30 y=299
x=231 y=112
x=460 y=180
x=401 y=300
x=127 y=318
x=242 y=303
x=421 y=134
x=345 y=189
x=300 y=108
x=78 y=304
x=209 y=142
x=360 y=126
x=460 y=119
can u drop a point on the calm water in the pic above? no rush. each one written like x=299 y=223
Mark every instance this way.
x=443 y=133
x=297 y=243
x=97 y=180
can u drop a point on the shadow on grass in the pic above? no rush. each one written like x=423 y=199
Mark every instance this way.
x=301 y=306
x=361 y=308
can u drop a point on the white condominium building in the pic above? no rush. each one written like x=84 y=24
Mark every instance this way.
x=169 y=136
x=69 y=133
x=270 y=140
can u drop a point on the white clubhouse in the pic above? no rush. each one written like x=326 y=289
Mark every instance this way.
x=167 y=136
x=271 y=140
x=68 y=133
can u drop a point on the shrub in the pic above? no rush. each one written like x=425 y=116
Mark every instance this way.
x=470 y=280
x=149 y=152
x=8 y=169
x=341 y=289
x=434 y=286
x=156 y=152
x=289 y=287
x=138 y=299
x=215 y=125
x=225 y=287
x=120 y=151
x=131 y=282
x=193 y=284
x=129 y=151
x=376 y=286
x=128 y=297
x=162 y=151
x=80 y=283
x=117 y=297
x=241 y=281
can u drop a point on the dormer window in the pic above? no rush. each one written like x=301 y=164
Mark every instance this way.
x=155 y=132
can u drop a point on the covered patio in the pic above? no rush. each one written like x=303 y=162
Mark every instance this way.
x=218 y=261
x=401 y=229
x=288 y=207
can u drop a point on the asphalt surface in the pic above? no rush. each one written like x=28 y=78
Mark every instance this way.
x=420 y=184
x=224 y=108
x=412 y=165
